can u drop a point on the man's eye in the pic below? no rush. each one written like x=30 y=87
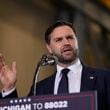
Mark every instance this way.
x=58 y=40
x=70 y=37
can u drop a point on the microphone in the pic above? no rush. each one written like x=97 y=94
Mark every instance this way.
x=45 y=60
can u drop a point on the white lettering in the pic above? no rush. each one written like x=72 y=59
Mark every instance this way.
x=17 y=107
x=38 y=106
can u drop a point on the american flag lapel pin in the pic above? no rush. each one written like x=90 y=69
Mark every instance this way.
x=91 y=77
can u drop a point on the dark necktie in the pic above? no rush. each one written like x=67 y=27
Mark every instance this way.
x=63 y=85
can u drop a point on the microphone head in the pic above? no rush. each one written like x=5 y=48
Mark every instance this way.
x=47 y=60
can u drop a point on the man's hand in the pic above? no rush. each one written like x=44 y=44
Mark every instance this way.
x=7 y=74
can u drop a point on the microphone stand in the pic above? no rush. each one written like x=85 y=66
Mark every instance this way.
x=36 y=77
x=45 y=60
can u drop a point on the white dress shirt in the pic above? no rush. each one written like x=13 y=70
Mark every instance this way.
x=74 y=77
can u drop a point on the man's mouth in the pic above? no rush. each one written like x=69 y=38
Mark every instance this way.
x=67 y=50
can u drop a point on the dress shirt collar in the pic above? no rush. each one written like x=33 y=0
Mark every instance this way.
x=72 y=67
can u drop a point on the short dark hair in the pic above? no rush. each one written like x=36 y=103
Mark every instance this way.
x=55 y=25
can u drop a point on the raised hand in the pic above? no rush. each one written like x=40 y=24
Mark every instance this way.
x=7 y=74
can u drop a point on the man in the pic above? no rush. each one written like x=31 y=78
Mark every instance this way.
x=61 y=42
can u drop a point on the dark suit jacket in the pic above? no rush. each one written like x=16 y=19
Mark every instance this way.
x=92 y=79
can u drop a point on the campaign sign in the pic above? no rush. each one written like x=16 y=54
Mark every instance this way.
x=76 y=101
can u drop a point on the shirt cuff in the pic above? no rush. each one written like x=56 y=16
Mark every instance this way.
x=6 y=93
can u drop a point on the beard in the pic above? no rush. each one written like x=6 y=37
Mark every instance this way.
x=67 y=58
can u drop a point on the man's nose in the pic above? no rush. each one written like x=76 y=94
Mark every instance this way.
x=66 y=41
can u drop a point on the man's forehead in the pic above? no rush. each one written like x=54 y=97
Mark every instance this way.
x=61 y=31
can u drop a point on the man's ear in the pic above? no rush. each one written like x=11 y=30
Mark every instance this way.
x=49 y=48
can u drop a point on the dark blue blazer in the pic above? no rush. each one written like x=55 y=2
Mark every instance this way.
x=92 y=80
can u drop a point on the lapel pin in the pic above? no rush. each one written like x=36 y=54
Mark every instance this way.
x=91 y=77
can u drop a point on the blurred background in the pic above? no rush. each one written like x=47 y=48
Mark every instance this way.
x=23 y=24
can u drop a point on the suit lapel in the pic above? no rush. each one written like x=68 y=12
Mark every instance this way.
x=88 y=79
